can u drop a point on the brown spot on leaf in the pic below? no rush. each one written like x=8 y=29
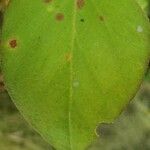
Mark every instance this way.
x=101 y=18
x=4 y=4
x=47 y=1
x=2 y=86
x=13 y=43
x=80 y=3
x=82 y=20
x=59 y=17
x=68 y=57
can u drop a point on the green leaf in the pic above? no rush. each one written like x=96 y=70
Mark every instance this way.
x=144 y=5
x=72 y=64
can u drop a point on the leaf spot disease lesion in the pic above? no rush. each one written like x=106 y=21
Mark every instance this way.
x=13 y=43
x=101 y=18
x=82 y=20
x=139 y=29
x=59 y=17
x=80 y=4
x=2 y=85
x=68 y=57
x=47 y=1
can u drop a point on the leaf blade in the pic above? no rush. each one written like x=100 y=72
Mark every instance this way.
x=81 y=63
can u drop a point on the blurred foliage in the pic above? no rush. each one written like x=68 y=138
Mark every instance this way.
x=132 y=130
x=15 y=134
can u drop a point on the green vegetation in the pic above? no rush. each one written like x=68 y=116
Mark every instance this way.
x=131 y=131
x=15 y=133
x=68 y=64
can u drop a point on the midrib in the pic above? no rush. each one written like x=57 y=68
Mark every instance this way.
x=71 y=72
